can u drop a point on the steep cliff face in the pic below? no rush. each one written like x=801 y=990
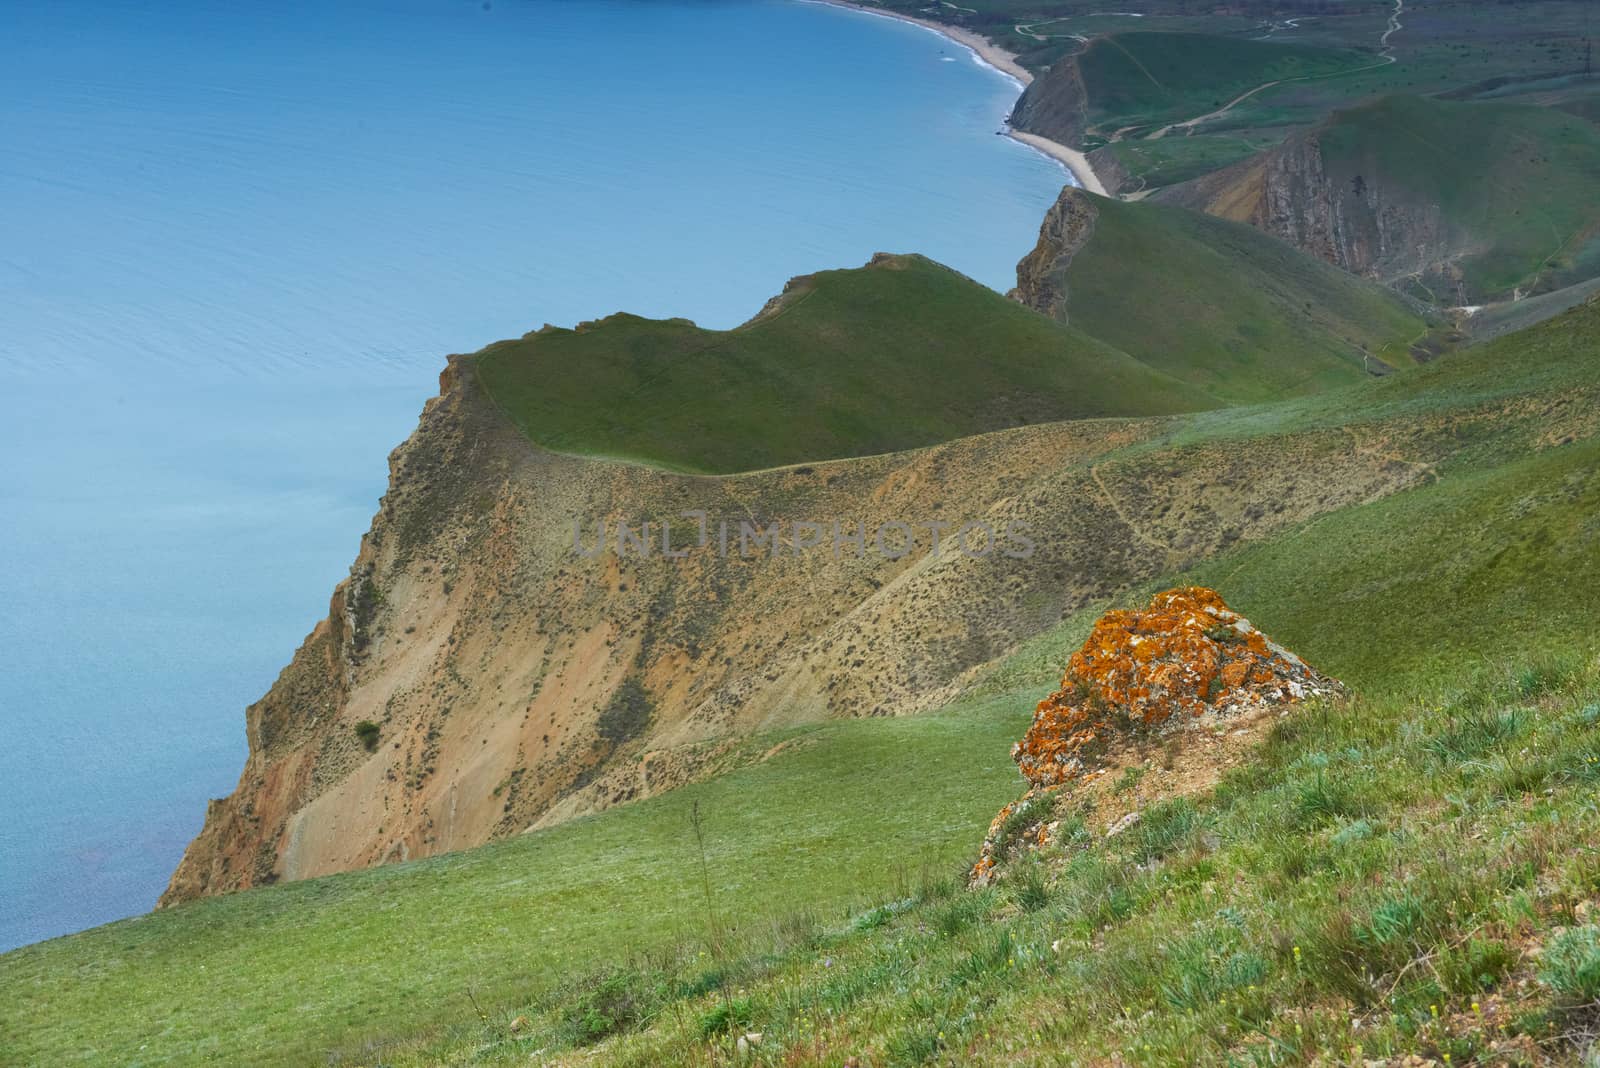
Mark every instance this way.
x=1363 y=225
x=513 y=681
x=1054 y=105
x=1042 y=273
x=1458 y=203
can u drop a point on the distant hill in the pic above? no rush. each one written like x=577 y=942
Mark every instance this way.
x=1127 y=83
x=1457 y=203
x=1214 y=303
x=900 y=353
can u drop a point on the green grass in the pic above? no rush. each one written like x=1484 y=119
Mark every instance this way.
x=1149 y=79
x=1498 y=564
x=1247 y=927
x=1228 y=308
x=898 y=354
x=1171 y=160
x=283 y=974
x=1514 y=185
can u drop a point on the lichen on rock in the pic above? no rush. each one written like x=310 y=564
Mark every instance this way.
x=1186 y=663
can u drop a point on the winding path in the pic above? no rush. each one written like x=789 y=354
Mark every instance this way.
x=1386 y=57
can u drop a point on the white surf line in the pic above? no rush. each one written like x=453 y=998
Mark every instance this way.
x=987 y=54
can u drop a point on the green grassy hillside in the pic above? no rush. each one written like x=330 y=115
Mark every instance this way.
x=1514 y=186
x=900 y=353
x=1494 y=558
x=1223 y=306
x=1148 y=79
x=1402 y=879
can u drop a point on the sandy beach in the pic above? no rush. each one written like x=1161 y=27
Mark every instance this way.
x=1070 y=158
x=1006 y=63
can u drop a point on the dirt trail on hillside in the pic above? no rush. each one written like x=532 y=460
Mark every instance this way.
x=1387 y=57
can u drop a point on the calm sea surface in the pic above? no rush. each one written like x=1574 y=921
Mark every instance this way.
x=237 y=240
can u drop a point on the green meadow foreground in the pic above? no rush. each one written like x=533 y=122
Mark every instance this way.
x=1408 y=872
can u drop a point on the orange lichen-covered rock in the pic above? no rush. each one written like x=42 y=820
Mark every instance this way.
x=1186 y=661
x=1186 y=657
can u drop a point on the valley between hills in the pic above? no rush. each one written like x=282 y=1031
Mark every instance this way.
x=523 y=797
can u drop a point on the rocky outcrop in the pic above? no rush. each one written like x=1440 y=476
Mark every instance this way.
x=1042 y=273
x=1184 y=666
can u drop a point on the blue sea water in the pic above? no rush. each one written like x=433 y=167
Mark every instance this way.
x=237 y=238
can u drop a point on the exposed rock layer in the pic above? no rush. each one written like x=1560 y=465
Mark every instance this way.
x=1185 y=664
x=1041 y=274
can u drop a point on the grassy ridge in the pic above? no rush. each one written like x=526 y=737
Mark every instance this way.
x=1227 y=308
x=901 y=353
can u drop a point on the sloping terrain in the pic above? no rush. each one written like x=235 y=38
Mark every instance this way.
x=1459 y=203
x=817 y=375
x=1390 y=532
x=1215 y=303
x=1126 y=83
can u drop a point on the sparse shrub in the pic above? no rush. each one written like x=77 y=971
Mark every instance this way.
x=1199 y=977
x=1030 y=891
x=1475 y=733
x=991 y=958
x=1571 y=965
x=725 y=1016
x=960 y=914
x=1129 y=779
x=877 y=917
x=1164 y=827
x=367 y=731
x=1355 y=831
x=627 y=714
x=914 y=1044
x=610 y=1005
x=1323 y=799
x=1542 y=677
x=1477 y=965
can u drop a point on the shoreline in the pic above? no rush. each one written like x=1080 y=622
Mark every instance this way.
x=998 y=59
